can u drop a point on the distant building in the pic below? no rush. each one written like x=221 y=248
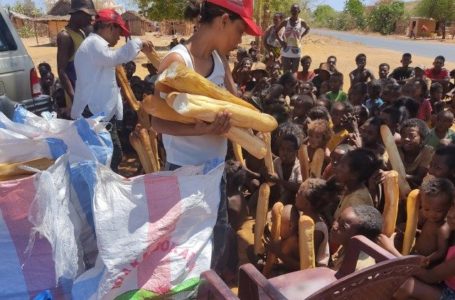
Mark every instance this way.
x=137 y=24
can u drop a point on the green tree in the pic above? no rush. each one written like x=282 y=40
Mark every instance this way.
x=162 y=9
x=442 y=11
x=384 y=16
x=356 y=10
x=26 y=7
x=324 y=16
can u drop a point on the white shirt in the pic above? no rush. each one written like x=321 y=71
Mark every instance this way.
x=195 y=150
x=96 y=85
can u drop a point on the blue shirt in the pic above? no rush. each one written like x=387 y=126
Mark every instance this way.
x=374 y=104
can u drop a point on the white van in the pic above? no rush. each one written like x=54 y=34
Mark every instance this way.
x=19 y=79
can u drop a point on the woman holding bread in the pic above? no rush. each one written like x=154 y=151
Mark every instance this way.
x=221 y=26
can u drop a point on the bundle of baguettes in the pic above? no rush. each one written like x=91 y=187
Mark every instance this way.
x=192 y=97
x=15 y=170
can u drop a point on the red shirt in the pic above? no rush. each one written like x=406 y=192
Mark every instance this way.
x=305 y=77
x=434 y=75
x=425 y=110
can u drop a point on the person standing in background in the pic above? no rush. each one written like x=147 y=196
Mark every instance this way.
x=294 y=30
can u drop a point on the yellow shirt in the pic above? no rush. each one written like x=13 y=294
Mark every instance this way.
x=359 y=197
x=77 y=37
x=336 y=139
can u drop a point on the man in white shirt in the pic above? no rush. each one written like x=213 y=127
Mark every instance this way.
x=96 y=91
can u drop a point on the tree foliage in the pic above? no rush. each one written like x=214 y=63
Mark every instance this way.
x=324 y=16
x=26 y=7
x=159 y=10
x=384 y=16
x=356 y=10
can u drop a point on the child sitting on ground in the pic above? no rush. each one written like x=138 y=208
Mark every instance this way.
x=353 y=171
x=432 y=242
x=443 y=163
x=436 y=93
x=383 y=72
x=306 y=74
x=303 y=104
x=442 y=134
x=319 y=134
x=361 y=74
x=374 y=102
x=340 y=133
x=358 y=93
x=427 y=285
x=403 y=73
x=287 y=168
x=390 y=92
x=416 y=156
x=336 y=93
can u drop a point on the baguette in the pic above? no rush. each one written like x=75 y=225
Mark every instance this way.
x=392 y=197
x=412 y=211
x=275 y=236
x=206 y=109
x=147 y=145
x=316 y=163
x=306 y=243
x=136 y=143
x=304 y=162
x=238 y=154
x=10 y=171
x=268 y=160
x=395 y=159
x=126 y=88
x=182 y=79
x=158 y=108
x=247 y=140
x=261 y=217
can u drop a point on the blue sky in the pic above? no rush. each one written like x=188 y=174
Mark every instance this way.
x=339 y=4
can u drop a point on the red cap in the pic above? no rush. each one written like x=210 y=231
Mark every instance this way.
x=244 y=8
x=109 y=15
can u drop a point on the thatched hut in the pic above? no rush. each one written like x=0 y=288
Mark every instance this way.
x=422 y=27
x=173 y=27
x=137 y=24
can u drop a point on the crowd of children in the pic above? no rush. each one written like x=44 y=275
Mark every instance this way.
x=313 y=111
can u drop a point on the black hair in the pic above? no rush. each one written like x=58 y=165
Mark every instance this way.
x=278 y=111
x=440 y=57
x=337 y=75
x=445 y=113
x=290 y=138
x=384 y=65
x=304 y=58
x=359 y=56
x=438 y=186
x=435 y=87
x=345 y=147
x=422 y=127
x=286 y=78
x=207 y=12
x=370 y=221
x=407 y=55
x=411 y=106
x=291 y=132
x=305 y=100
x=346 y=106
x=331 y=56
x=448 y=151
x=375 y=86
x=101 y=25
x=362 y=161
x=45 y=65
x=319 y=112
x=321 y=195
x=398 y=114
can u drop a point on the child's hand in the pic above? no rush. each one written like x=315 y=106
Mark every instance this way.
x=219 y=126
x=273 y=178
x=273 y=246
x=388 y=243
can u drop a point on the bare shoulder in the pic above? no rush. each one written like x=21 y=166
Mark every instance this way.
x=63 y=35
x=444 y=231
x=168 y=60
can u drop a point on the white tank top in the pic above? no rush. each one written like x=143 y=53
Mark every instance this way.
x=292 y=36
x=195 y=150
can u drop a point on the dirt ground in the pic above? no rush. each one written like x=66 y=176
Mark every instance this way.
x=318 y=47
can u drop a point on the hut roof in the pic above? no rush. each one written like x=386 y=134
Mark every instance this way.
x=19 y=15
x=60 y=8
x=45 y=19
x=132 y=15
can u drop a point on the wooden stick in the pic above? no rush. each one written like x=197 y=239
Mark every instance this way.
x=136 y=143
x=306 y=242
x=395 y=160
x=392 y=197
x=412 y=211
x=261 y=217
x=316 y=163
x=269 y=156
x=304 y=162
x=276 y=230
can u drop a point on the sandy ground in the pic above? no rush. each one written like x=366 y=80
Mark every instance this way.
x=318 y=47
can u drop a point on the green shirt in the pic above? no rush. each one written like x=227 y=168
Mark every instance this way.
x=339 y=96
x=433 y=140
